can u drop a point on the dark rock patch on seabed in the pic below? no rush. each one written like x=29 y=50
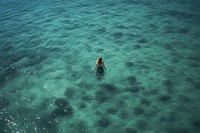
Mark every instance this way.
x=183 y=31
x=82 y=105
x=112 y=110
x=129 y=64
x=109 y=88
x=63 y=108
x=138 y=110
x=196 y=123
x=177 y=129
x=194 y=57
x=103 y=122
x=196 y=85
x=194 y=64
x=130 y=130
x=164 y=97
x=137 y=46
x=167 y=83
x=60 y=102
x=131 y=80
x=87 y=98
x=66 y=111
x=117 y=35
x=133 y=89
x=142 y=40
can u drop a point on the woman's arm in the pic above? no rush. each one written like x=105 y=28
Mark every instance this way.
x=104 y=66
x=95 y=67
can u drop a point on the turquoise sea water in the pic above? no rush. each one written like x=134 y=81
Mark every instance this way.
x=48 y=50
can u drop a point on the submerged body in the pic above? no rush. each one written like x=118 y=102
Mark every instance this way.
x=99 y=67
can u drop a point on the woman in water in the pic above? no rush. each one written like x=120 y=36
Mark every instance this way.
x=99 y=67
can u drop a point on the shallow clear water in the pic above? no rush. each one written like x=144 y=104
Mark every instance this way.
x=48 y=50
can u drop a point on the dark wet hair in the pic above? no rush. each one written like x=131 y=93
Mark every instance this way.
x=99 y=60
